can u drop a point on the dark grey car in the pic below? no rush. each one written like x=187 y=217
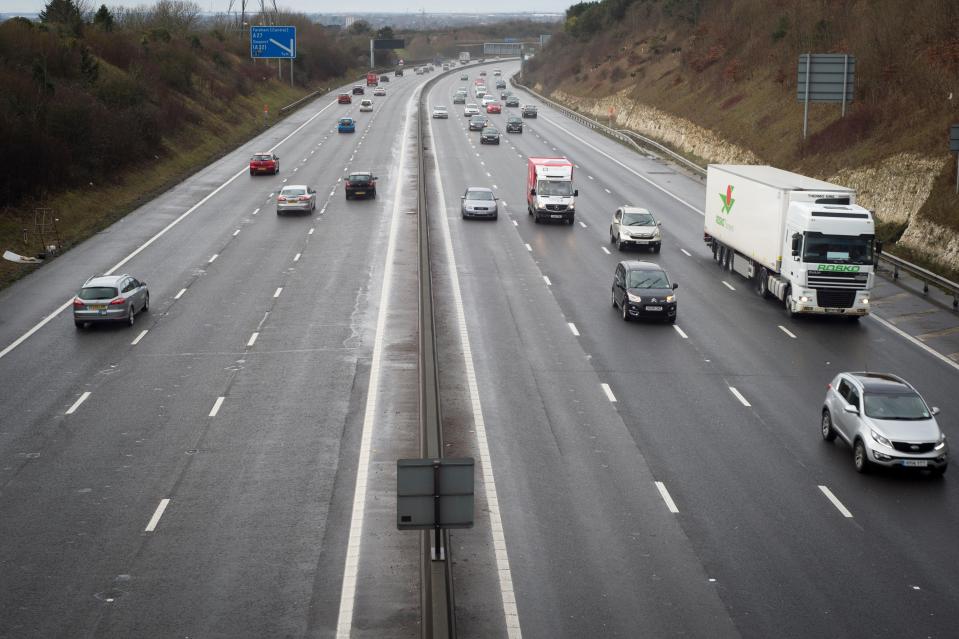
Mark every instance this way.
x=110 y=298
x=490 y=135
x=478 y=122
x=642 y=289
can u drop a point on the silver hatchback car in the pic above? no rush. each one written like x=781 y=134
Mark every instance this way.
x=886 y=422
x=295 y=197
x=110 y=298
x=479 y=201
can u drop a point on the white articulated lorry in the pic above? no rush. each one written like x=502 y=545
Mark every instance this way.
x=801 y=240
x=464 y=57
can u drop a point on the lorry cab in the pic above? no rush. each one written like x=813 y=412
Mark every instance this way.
x=372 y=79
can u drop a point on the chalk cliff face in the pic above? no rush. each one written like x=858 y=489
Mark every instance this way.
x=895 y=187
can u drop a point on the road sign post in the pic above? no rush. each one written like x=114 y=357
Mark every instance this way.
x=824 y=77
x=954 y=148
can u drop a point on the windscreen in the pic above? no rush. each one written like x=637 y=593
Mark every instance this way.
x=479 y=195
x=262 y=158
x=898 y=406
x=638 y=219
x=97 y=293
x=559 y=188
x=837 y=249
x=648 y=279
x=346 y=121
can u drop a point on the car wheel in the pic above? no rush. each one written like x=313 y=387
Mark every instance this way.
x=940 y=471
x=495 y=216
x=625 y=312
x=860 y=457
x=619 y=243
x=276 y=169
x=612 y=296
x=612 y=238
x=828 y=432
x=131 y=317
x=252 y=172
x=79 y=324
x=146 y=304
x=672 y=320
x=656 y=248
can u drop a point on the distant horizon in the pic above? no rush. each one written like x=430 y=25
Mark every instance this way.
x=329 y=7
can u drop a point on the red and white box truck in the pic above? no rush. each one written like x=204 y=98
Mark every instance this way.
x=549 y=190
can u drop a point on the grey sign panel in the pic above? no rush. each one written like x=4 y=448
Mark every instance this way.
x=954 y=137
x=828 y=75
x=502 y=48
x=384 y=44
x=434 y=493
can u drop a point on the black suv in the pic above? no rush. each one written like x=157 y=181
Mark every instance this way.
x=490 y=135
x=478 y=122
x=642 y=289
x=358 y=90
x=514 y=124
x=512 y=101
x=529 y=111
x=360 y=184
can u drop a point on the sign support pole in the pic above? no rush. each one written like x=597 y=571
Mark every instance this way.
x=845 y=80
x=957 y=173
x=372 y=63
x=291 y=73
x=805 y=111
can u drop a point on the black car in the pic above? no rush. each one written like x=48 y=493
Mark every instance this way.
x=490 y=135
x=643 y=290
x=398 y=73
x=512 y=101
x=358 y=90
x=478 y=122
x=360 y=184
x=500 y=84
x=514 y=124
x=529 y=111
x=384 y=78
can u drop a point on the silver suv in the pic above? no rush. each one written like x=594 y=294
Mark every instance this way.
x=886 y=422
x=110 y=298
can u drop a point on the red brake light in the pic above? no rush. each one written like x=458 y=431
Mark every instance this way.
x=304 y=197
x=118 y=302
x=78 y=303
x=829 y=386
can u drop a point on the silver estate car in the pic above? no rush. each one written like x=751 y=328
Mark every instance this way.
x=886 y=422
x=479 y=201
x=295 y=197
x=110 y=298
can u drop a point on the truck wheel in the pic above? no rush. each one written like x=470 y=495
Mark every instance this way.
x=762 y=286
x=788 y=304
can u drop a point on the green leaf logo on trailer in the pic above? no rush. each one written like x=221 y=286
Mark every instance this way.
x=838 y=268
x=727 y=199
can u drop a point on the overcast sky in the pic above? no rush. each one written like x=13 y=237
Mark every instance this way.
x=338 y=6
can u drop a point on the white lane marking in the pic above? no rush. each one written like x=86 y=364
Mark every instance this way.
x=236 y=232
x=573 y=329
x=77 y=403
x=252 y=340
x=687 y=253
x=488 y=174
x=546 y=279
x=591 y=177
x=583 y=224
x=46 y=320
x=310 y=232
x=515 y=223
x=180 y=294
x=519 y=155
x=681 y=333
x=216 y=406
x=277 y=292
x=495 y=187
x=786 y=331
x=268 y=198
x=295 y=169
x=925 y=347
x=670 y=504
x=156 y=515
x=529 y=248
x=344 y=622
x=728 y=285
x=607 y=190
x=482 y=162
x=255 y=211
x=609 y=392
x=576 y=165
x=284 y=180
x=637 y=174
x=486 y=479
x=296 y=258
x=739 y=396
x=835 y=502
x=605 y=250
x=504 y=203
x=139 y=337
x=213 y=259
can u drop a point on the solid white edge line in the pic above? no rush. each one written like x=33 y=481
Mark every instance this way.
x=546 y=279
x=573 y=329
x=680 y=331
x=515 y=223
x=137 y=339
x=156 y=515
x=252 y=340
x=236 y=232
x=277 y=292
x=484 y=464
x=344 y=621
x=213 y=259
x=670 y=504
x=311 y=231
x=787 y=331
x=728 y=285
x=216 y=406
x=77 y=403
x=46 y=320
x=739 y=396
x=180 y=294
x=529 y=248
x=925 y=347
x=835 y=502
x=640 y=176
x=608 y=391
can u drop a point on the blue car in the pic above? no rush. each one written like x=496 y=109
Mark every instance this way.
x=346 y=125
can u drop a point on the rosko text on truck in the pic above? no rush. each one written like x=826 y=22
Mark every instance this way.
x=801 y=240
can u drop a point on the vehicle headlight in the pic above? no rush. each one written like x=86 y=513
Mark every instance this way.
x=635 y=299
x=572 y=205
x=670 y=298
x=879 y=438
x=865 y=300
x=942 y=442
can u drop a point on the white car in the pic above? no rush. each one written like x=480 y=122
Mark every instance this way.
x=440 y=112
x=471 y=109
x=366 y=105
x=487 y=99
x=497 y=72
x=379 y=91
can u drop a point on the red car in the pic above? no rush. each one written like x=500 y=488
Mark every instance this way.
x=494 y=107
x=345 y=98
x=264 y=163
